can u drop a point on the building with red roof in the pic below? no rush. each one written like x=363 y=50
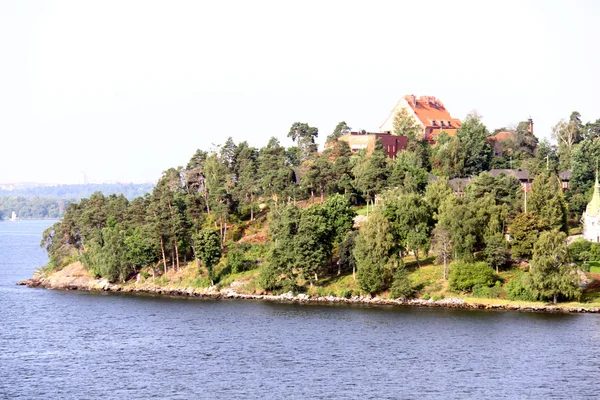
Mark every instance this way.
x=429 y=112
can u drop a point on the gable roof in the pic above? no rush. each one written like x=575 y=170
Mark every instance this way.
x=520 y=174
x=431 y=112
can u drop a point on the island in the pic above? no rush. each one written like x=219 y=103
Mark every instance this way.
x=423 y=213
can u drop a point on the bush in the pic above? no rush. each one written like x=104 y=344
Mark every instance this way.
x=347 y=294
x=402 y=287
x=464 y=276
x=580 y=249
x=236 y=261
x=268 y=277
x=487 y=292
x=520 y=289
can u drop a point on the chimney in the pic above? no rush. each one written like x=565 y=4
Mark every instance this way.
x=412 y=99
x=530 y=129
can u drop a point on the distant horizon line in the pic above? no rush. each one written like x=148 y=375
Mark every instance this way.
x=50 y=184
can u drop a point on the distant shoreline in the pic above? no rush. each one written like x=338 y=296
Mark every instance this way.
x=75 y=277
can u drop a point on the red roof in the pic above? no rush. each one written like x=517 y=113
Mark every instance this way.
x=432 y=114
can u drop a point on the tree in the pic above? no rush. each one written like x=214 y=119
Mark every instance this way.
x=208 y=250
x=464 y=276
x=463 y=220
x=340 y=130
x=374 y=251
x=304 y=135
x=402 y=286
x=552 y=272
x=340 y=217
x=346 y=261
x=473 y=137
x=441 y=243
x=437 y=191
x=411 y=220
x=546 y=201
x=496 y=250
x=371 y=173
x=567 y=134
x=405 y=125
x=585 y=156
x=524 y=231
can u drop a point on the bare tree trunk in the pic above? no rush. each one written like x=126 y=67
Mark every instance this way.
x=416 y=251
x=555 y=299
x=354 y=273
x=162 y=249
x=445 y=267
x=251 y=207
x=173 y=259
x=177 y=254
x=312 y=196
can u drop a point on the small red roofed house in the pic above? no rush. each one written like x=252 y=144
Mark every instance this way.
x=429 y=112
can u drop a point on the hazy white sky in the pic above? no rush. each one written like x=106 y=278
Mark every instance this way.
x=126 y=89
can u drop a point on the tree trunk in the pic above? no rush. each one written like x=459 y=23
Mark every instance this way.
x=445 y=268
x=354 y=273
x=312 y=196
x=173 y=259
x=251 y=207
x=316 y=277
x=339 y=268
x=322 y=194
x=416 y=251
x=555 y=299
x=162 y=249
x=177 y=254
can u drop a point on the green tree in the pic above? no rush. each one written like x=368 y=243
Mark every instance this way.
x=477 y=152
x=402 y=287
x=464 y=276
x=374 y=251
x=552 y=272
x=304 y=135
x=496 y=251
x=405 y=125
x=371 y=173
x=546 y=201
x=567 y=134
x=412 y=221
x=585 y=156
x=340 y=130
x=346 y=261
x=524 y=231
x=208 y=250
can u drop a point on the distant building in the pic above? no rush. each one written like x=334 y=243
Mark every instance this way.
x=522 y=175
x=503 y=138
x=429 y=112
x=365 y=140
x=591 y=216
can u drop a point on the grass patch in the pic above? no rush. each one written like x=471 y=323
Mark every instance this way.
x=594 y=266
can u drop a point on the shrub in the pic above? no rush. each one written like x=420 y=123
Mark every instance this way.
x=437 y=297
x=402 y=287
x=487 y=292
x=580 y=249
x=464 y=276
x=520 y=289
x=236 y=261
x=347 y=294
x=268 y=276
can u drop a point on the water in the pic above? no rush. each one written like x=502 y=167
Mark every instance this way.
x=75 y=345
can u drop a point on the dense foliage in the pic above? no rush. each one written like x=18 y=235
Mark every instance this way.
x=304 y=203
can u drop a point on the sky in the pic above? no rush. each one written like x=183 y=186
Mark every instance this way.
x=123 y=90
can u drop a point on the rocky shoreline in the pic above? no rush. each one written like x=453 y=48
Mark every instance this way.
x=74 y=278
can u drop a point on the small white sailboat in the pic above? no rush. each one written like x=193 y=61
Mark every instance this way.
x=13 y=217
